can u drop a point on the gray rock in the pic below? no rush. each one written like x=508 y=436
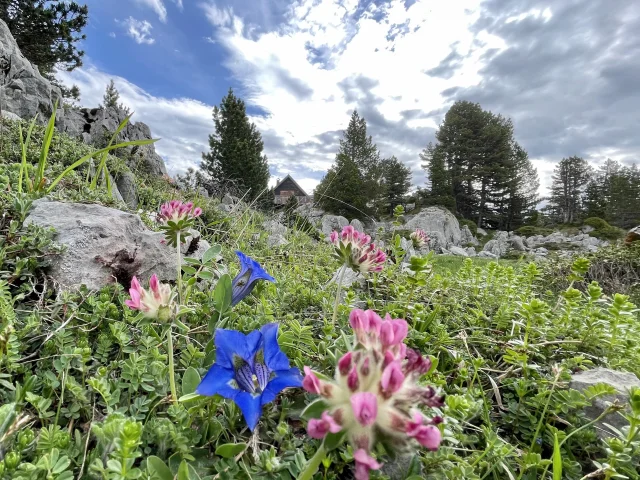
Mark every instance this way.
x=409 y=207
x=471 y=251
x=541 y=251
x=437 y=219
x=398 y=468
x=357 y=224
x=203 y=192
x=350 y=277
x=485 y=254
x=437 y=242
x=126 y=183
x=95 y=126
x=10 y=115
x=115 y=191
x=276 y=240
x=481 y=231
x=591 y=241
x=498 y=245
x=311 y=213
x=105 y=245
x=621 y=381
x=330 y=223
x=461 y=252
x=23 y=91
x=586 y=229
x=517 y=243
x=223 y=207
x=274 y=227
x=467 y=237
x=229 y=199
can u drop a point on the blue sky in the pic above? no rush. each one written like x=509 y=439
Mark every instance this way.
x=563 y=70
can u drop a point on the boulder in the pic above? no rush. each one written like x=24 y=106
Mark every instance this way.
x=437 y=219
x=229 y=199
x=437 y=242
x=95 y=126
x=485 y=254
x=586 y=229
x=274 y=227
x=311 y=213
x=498 y=245
x=276 y=240
x=471 y=252
x=467 y=237
x=632 y=236
x=481 y=231
x=105 y=245
x=350 y=277
x=126 y=183
x=329 y=223
x=23 y=91
x=621 y=381
x=455 y=250
x=517 y=243
x=357 y=224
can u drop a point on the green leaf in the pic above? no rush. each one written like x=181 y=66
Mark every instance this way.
x=314 y=409
x=188 y=269
x=211 y=254
x=190 y=381
x=222 y=294
x=206 y=275
x=188 y=397
x=557 y=459
x=157 y=469
x=334 y=440
x=46 y=143
x=183 y=471
x=230 y=450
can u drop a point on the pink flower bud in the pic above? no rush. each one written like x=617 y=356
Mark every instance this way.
x=365 y=369
x=365 y=408
x=429 y=436
x=364 y=463
x=416 y=363
x=318 y=428
x=353 y=382
x=344 y=364
x=333 y=237
x=311 y=383
x=197 y=212
x=392 y=379
x=154 y=285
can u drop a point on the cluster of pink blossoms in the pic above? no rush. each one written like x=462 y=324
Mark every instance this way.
x=376 y=392
x=355 y=249
x=175 y=211
x=419 y=238
x=154 y=303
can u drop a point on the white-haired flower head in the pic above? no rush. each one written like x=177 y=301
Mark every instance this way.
x=375 y=395
x=419 y=238
x=154 y=303
x=355 y=250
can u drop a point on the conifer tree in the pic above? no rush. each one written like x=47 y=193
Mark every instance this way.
x=569 y=181
x=396 y=181
x=236 y=149
x=111 y=95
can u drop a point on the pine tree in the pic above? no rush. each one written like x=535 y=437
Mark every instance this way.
x=47 y=31
x=439 y=190
x=341 y=190
x=111 y=96
x=236 y=149
x=569 y=181
x=396 y=181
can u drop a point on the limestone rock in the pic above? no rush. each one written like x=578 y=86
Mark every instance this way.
x=471 y=252
x=498 y=245
x=95 y=127
x=276 y=240
x=481 y=231
x=126 y=183
x=455 y=250
x=274 y=227
x=350 y=277
x=437 y=219
x=23 y=91
x=229 y=199
x=621 y=381
x=517 y=243
x=105 y=245
x=486 y=254
x=467 y=236
x=311 y=213
x=357 y=224
x=330 y=223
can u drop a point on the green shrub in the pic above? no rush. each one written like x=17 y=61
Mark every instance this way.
x=608 y=233
x=596 y=223
x=471 y=224
x=529 y=231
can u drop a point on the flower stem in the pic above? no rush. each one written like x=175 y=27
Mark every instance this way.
x=313 y=464
x=337 y=302
x=172 y=373
x=179 y=277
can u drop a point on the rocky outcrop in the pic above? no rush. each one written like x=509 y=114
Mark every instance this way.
x=459 y=251
x=23 y=91
x=620 y=381
x=330 y=223
x=467 y=237
x=434 y=220
x=498 y=245
x=276 y=232
x=95 y=127
x=126 y=183
x=357 y=224
x=104 y=245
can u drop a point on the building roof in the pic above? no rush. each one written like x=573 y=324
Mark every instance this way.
x=294 y=182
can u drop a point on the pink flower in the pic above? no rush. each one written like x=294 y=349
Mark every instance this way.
x=153 y=304
x=356 y=250
x=419 y=238
x=365 y=408
x=428 y=436
x=333 y=238
x=393 y=332
x=416 y=363
x=364 y=463
x=344 y=364
x=311 y=383
x=392 y=379
x=353 y=382
x=175 y=211
x=318 y=428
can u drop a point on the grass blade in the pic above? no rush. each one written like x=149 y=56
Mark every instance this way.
x=557 y=459
x=46 y=143
x=103 y=158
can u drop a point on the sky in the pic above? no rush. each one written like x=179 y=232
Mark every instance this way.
x=567 y=72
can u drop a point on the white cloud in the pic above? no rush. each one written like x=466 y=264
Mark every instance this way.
x=139 y=30
x=304 y=100
x=158 y=7
x=179 y=4
x=182 y=124
x=112 y=34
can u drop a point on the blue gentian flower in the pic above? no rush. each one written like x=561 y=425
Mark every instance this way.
x=250 y=370
x=250 y=273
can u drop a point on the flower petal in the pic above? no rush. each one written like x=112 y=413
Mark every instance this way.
x=218 y=381
x=230 y=343
x=274 y=358
x=250 y=406
x=282 y=379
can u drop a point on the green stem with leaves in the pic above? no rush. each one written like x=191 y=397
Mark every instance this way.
x=337 y=302
x=172 y=373
x=313 y=464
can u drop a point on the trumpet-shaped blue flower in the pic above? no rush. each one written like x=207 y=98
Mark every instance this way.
x=250 y=273
x=250 y=370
